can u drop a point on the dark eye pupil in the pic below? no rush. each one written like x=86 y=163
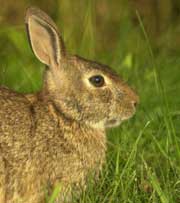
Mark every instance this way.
x=97 y=80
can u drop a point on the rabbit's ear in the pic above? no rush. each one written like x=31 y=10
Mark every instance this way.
x=44 y=38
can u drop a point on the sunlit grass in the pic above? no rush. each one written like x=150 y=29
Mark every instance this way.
x=143 y=158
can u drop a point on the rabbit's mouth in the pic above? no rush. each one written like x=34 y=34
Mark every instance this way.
x=112 y=123
x=117 y=121
x=128 y=114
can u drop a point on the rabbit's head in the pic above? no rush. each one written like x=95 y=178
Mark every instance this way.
x=82 y=90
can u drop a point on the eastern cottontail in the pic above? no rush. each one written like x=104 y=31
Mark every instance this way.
x=58 y=135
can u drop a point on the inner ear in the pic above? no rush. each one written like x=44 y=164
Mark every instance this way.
x=44 y=38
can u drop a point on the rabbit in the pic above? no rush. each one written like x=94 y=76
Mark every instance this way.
x=57 y=137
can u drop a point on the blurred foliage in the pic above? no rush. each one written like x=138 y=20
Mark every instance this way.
x=159 y=17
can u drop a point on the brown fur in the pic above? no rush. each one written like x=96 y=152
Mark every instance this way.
x=58 y=135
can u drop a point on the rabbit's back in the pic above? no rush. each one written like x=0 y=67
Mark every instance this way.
x=15 y=123
x=30 y=148
x=15 y=142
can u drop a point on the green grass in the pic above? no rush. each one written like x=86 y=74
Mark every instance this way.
x=143 y=158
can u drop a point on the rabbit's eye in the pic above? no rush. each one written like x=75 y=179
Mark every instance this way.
x=97 y=80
